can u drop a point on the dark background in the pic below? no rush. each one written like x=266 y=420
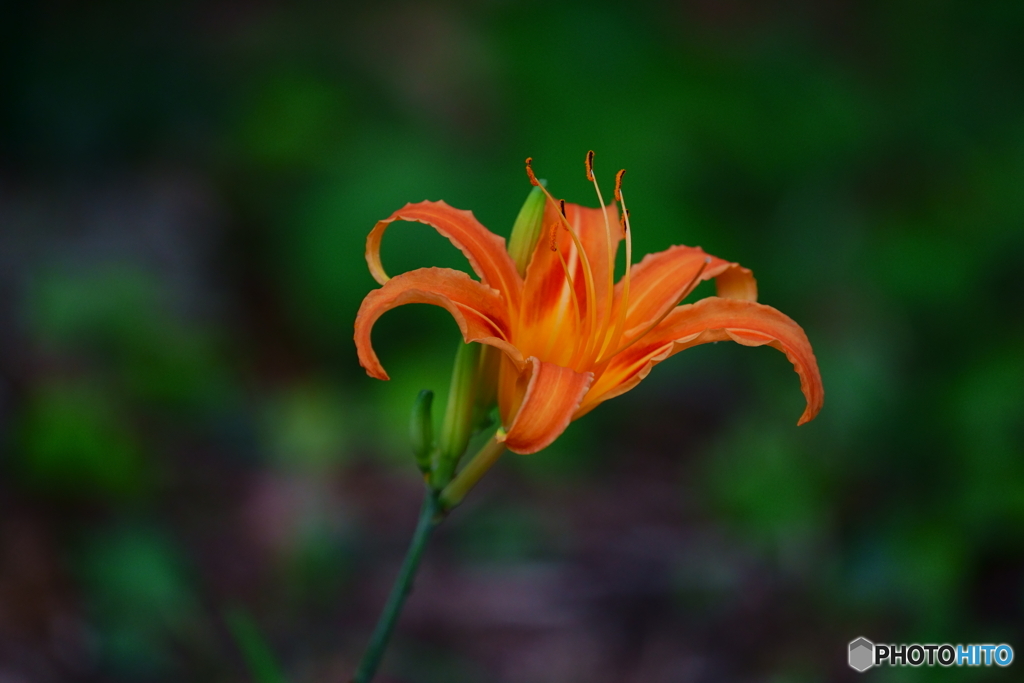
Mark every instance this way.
x=185 y=191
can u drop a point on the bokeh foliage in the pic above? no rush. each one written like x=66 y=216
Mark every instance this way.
x=185 y=190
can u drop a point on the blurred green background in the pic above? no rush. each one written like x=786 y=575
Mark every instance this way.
x=185 y=190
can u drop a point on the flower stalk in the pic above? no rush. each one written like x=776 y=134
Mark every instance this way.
x=428 y=520
x=436 y=505
x=474 y=470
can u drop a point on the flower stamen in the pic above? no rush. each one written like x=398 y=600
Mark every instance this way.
x=600 y=339
x=529 y=172
x=588 y=278
x=588 y=275
x=620 y=323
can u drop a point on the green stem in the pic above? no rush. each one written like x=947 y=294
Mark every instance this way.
x=429 y=518
x=468 y=477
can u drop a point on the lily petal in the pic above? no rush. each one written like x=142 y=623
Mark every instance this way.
x=479 y=310
x=552 y=396
x=485 y=250
x=589 y=224
x=659 y=281
x=708 y=320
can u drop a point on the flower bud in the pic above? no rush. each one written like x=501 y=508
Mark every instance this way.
x=486 y=388
x=421 y=429
x=458 y=423
x=527 y=229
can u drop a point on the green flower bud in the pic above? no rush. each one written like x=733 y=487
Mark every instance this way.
x=527 y=228
x=458 y=423
x=421 y=429
x=487 y=387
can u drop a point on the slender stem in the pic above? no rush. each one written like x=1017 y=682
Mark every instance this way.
x=467 y=478
x=435 y=505
x=429 y=518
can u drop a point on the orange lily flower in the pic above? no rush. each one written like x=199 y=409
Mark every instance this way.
x=571 y=336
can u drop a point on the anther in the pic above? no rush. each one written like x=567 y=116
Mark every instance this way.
x=529 y=172
x=561 y=203
x=618 y=185
x=590 y=165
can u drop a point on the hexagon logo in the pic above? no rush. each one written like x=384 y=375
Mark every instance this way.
x=862 y=654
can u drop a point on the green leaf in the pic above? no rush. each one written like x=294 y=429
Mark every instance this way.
x=255 y=650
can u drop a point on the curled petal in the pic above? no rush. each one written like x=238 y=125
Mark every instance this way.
x=733 y=282
x=485 y=250
x=708 y=320
x=479 y=310
x=551 y=398
x=660 y=280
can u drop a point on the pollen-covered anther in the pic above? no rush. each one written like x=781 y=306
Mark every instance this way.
x=529 y=172
x=561 y=206
x=618 y=185
x=590 y=165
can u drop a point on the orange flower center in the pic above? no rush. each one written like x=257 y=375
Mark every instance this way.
x=598 y=334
